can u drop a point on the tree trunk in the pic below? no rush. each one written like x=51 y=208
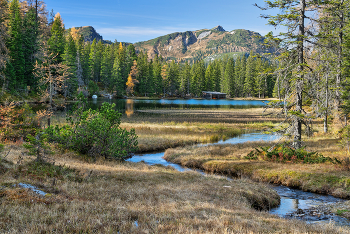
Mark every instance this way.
x=325 y=124
x=299 y=81
x=51 y=93
x=339 y=65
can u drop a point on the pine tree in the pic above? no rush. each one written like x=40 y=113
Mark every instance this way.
x=56 y=41
x=249 y=82
x=15 y=67
x=173 y=78
x=240 y=73
x=85 y=61
x=293 y=17
x=208 y=78
x=184 y=79
x=157 y=77
x=229 y=78
x=164 y=74
x=99 y=52
x=3 y=39
x=30 y=46
x=216 y=76
x=69 y=59
x=107 y=67
x=93 y=63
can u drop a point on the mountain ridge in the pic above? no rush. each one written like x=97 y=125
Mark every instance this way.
x=199 y=44
x=192 y=45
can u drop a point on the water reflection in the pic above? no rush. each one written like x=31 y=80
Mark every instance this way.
x=129 y=107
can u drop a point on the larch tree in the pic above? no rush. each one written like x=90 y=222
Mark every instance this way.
x=51 y=75
x=132 y=79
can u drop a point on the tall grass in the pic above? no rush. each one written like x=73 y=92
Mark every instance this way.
x=136 y=198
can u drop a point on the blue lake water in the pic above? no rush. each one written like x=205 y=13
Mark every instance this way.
x=131 y=105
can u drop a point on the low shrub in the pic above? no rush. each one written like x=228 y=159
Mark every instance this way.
x=42 y=169
x=96 y=133
x=17 y=122
x=284 y=153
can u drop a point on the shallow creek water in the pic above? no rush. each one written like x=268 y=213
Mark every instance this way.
x=294 y=203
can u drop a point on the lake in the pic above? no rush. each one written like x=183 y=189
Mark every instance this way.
x=129 y=106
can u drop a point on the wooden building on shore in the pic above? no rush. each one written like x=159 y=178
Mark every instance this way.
x=213 y=95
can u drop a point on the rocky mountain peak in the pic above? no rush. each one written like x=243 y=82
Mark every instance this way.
x=219 y=28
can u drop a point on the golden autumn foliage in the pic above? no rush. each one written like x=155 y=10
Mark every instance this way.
x=130 y=84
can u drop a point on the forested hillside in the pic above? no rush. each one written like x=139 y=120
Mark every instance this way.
x=197 y=45
x=42 y=58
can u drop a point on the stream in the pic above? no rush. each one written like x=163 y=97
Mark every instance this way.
x=294 y=203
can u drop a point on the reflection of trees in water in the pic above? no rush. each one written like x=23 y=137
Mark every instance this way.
x=296 y=204
x=129 y=107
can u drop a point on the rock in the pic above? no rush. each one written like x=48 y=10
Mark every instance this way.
x=219 y=28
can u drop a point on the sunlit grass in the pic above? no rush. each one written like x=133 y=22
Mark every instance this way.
x=113 y=197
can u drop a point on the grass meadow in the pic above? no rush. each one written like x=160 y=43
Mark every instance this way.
x=123 y=197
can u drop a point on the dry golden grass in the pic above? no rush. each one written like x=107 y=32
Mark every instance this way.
x=229 y=159
x=162 y=129
x=113 y=197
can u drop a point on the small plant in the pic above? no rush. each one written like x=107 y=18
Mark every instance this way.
x=42 y=169
x=214 y=138
x=37 y=146
x=93 y=88
x=345 y=138
x=283 y=153
x=17 y=122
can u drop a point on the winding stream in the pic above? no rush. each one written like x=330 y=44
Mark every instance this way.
x=294 y=203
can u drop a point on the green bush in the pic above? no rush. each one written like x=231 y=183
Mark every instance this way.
x=93 y=88
x=96 y=133
x=283 y=153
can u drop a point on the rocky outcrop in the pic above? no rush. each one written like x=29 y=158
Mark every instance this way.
x=195 y=45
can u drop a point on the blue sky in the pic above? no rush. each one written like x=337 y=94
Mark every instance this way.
x=139 y=20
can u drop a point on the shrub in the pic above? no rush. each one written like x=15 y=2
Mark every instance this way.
x=17 y=122
x=283 y=153
x=37 y=146
x=96 y=133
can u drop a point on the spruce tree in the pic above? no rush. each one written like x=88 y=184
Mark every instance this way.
x=293 y=16
x=15 y=68
x=3 y=38
x=185 y=75
x=30 y=46
x=208 y=78
x=56 y=41
x=85 y=60
x=107 y=67
x=69 y=59
x=157 y=77
x=93 y=62
x=249 y=82
x=229 y=78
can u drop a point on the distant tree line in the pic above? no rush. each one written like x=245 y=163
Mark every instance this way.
x=39 y=56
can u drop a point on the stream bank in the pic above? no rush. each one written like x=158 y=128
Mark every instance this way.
x=294 y=203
